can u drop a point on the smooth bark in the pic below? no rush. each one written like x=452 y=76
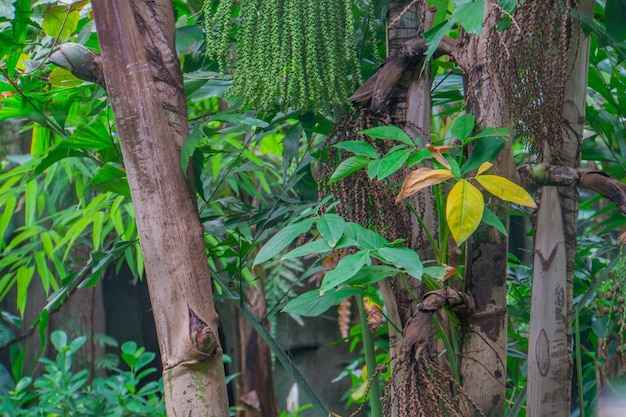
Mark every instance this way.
x=549 y=357
x=171 y=235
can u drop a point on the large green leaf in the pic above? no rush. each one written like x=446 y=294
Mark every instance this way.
x=331 y=228
x=392 y=162
x=389 y=132
x=402 y=257
x=316 y=246
x=615 y=19
x=358 y=147
x=347 y=167
x=486 y=149
x=463 y=126
x=282 y=239
x=313 y=303
x=347 y=267
x=469 y=14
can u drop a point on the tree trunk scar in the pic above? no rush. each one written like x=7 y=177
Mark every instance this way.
x=202 y=337
x=542 y=353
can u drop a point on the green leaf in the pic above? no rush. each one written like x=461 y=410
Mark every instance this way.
x=316 y=246
x=402 y=257
x=418 y=157
x=189 y=147
x=464 y=210
x=392 y=162
x=463 y=126
x=489 y=131
x=490 y=218
x=239 y=119
x=24 y=275
x=434 y=36
x=614 y=18
x=331 y=228
x=370 y=275
x=365 y=238
x=312 y=303
x=469 y=14
x=59 y=339
x=358 y=147
x=60 y=22
x=347 y=267
x=486 y=149
x=389 y=132
x=347 y=167
x=282 y=239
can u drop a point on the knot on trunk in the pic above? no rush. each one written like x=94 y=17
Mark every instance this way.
x=202 y=336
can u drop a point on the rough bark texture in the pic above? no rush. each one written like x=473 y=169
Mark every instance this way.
x=483 y=355
x=549 y=359
x=256 y=384
x=170 y=233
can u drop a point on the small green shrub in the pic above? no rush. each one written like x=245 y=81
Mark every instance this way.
x=60 y=392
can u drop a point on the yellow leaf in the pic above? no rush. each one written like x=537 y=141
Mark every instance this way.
x=464 y=210
x=484 y=167
x=422 y=178
x=506 y=190
x=59 y=77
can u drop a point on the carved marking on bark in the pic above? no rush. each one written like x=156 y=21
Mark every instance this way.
x=542 y=353
x=545 y=263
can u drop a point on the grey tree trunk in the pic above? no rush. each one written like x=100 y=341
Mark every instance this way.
x=137 y=40
x=549 y=356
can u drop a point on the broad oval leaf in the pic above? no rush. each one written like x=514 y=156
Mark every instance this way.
x=389 y=132
x=282 y=239
x=358 y=147
x=464 y=210
x=463 y=126
x=59 y=22
x=404 y=258
x=421 y=178
x=506 y=190
x=314 y=303
x=349 y=166
x=392 y=162
x=331 y=228
x=347 y=267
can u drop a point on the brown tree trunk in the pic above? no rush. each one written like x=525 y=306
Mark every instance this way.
x=256 y=384
x=139 y=69
x=484 y=336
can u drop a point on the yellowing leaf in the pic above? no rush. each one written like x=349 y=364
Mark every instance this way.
x=60 y=22
x=464 y=210
x=422 y=178
x=506 y=190
x=436 y=153
x=484 y=167
x=59 y=77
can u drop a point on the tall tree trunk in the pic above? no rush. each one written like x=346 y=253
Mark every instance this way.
x=549 y=357
x=170 y=232
x=484 y=336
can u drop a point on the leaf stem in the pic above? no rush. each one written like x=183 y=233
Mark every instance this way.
x=376 y=404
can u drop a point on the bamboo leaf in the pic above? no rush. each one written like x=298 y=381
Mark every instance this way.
x=464 y=210
x=422 y=178
x=349 y=166
x=506 y=190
